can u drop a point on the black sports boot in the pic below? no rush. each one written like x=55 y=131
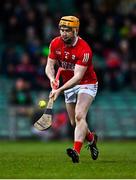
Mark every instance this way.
x=93 y=148
x=73 y=154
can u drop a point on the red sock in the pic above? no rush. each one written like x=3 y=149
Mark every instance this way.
x=90 y=137
x=77 y=146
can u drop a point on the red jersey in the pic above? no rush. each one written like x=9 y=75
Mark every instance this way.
x=80 y=53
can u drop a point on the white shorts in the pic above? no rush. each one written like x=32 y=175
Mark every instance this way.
x=71 y=94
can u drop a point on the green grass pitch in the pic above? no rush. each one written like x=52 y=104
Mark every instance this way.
x=48 y=160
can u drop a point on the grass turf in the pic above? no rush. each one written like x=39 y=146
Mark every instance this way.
x=48 y=160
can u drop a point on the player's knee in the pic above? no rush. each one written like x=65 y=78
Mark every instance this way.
x=79 y=116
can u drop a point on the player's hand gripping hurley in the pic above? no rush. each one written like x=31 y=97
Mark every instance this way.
x=45 y=120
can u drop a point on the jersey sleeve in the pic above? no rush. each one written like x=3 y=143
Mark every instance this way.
x=85 y=58
x=52 y=53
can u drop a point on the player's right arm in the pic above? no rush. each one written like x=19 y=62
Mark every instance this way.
x=50 y=71
x=51 y=61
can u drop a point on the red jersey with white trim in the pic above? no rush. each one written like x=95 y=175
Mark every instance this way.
x=80 y=53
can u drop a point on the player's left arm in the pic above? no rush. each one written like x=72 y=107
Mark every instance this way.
x=78 y=75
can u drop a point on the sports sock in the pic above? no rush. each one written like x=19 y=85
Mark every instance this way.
x=77 y=146
x=90 y=137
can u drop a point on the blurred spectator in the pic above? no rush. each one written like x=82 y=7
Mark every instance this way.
x=12 y=30
x=42 y=82
x=92 y=30
x=20 y=94
x=10 y=59
x=30 y=34
x=59 y=125
x=32 y=23
x=34 y=49
x=125 y=55
x=108 y=32
x=125 y=28
x=25 y=69
x=21 y=105
x=113 y=73
x=49 y=29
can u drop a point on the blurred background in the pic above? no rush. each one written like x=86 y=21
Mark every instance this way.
x=26 y=29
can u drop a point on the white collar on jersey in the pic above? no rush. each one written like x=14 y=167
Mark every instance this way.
x=75 y=41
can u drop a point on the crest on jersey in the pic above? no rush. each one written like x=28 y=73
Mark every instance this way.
x=73 y=57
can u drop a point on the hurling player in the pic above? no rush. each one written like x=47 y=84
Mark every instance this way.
x=80 y=84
